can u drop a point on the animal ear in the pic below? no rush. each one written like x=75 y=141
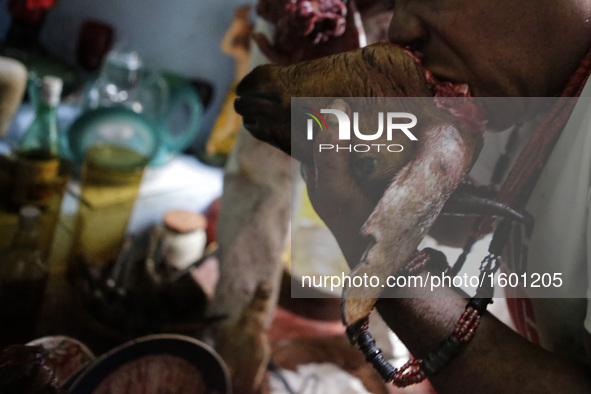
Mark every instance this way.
x=302 y=144
x=333 y=116
x=340 y=105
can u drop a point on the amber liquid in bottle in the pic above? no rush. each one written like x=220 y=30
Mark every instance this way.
x=37 y=156
x=23 y=276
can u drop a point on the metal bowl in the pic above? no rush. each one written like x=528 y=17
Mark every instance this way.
x=209 y=364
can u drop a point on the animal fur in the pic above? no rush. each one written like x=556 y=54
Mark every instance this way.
x=409 y=188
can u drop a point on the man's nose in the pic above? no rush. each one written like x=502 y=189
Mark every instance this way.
x=406 y=29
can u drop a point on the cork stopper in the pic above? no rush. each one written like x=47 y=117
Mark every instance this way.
x=183 y=222
x=51 y=90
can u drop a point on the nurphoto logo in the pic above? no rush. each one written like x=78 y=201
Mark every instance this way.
x=395 y=122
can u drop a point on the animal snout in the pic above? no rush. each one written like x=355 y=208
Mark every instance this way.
x=260 y=105
x=256 y=95
x=258 y=85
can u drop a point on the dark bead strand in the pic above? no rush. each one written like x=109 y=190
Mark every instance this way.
x=373 y=355
x=358 y=333
x=440 y=357
x=480 y=304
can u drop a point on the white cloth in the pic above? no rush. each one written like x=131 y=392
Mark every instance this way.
x=317 y=378
x=562 y=234
x=561 y=239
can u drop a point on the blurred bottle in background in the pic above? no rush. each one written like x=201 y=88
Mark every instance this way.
x=95 y=39
x=23 y=276
x=13 y=82
x=123 y=82
x=37 y=154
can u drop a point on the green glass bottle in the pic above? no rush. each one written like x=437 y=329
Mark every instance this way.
x=37 y=155
x=41 y=138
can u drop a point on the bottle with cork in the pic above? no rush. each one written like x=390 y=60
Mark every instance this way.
x=184 y=238
x=37 y=154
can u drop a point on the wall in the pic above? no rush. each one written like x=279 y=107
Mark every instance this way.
x=177 y=35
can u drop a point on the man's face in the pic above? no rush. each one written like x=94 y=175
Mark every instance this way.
x=499 y=48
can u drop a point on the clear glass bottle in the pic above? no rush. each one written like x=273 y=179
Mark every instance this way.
x=124 y=83
x=117 y=83
x=37 y=154
x=23 y=276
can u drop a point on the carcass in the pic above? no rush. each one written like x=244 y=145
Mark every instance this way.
x=412 y=187
x=255 y=206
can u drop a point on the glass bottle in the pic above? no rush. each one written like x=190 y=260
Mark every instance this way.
x=40 y=141
x=37 y=154
x=124 y=83
x=23 y=276
x=184 y=238
x=117 y=84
